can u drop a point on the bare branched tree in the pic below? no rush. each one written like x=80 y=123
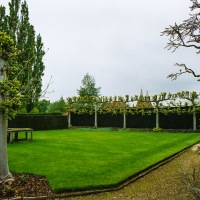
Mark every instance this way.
x=186 y=34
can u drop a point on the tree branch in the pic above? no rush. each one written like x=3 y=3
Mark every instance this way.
x=186 y=34
x=185 y=70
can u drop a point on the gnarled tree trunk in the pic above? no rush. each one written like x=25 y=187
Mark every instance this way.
x=4 y=169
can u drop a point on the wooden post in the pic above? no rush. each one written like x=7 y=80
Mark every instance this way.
x=194 y=119
x=69 y=119
x=157 y=117
x=124 y=125
x=95 y=120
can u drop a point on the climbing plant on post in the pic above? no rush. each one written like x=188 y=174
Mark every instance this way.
x=96 y=107
x=69 y=102
x=9 y=96
x=125 y=101
x=191 y=97
x=157 y=101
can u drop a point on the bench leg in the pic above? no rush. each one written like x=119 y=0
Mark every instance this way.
x=31 y=135
x=8 y=137
x=16 y=136
x=12 y=136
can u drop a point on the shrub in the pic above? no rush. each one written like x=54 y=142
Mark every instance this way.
x=157 y=129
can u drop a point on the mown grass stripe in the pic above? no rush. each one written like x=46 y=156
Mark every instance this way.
x=87 y=159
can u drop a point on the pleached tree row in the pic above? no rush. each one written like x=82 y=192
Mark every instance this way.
x=180 y=102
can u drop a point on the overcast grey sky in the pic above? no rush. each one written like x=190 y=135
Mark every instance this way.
x=116 y=41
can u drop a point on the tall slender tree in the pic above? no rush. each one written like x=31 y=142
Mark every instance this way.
x=89 y=90
x=3 y=19
x=30 y=61
x=88 y=87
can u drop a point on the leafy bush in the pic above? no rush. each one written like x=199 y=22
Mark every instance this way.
x=157 y=129
x=57 y=106
x=34 y=110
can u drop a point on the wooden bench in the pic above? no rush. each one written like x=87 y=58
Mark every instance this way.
x=13 y=134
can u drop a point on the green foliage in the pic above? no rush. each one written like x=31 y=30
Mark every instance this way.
x=9 y=86
x=34 y=111
x=159 y=103
x=10 y=90
x=22 y=110
x=57 y=106
x=163 y=102
x=7 y=48
x=157 y=129
x=88 y=93
x=88 y=87
x=42 y=105
x=30 y=61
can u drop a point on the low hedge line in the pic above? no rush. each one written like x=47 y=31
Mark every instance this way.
x=50 y=122
x=39 y=122
x=170 y=121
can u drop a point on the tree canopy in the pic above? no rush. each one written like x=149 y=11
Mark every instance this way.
x=9 y=86
x=57 y=106
x=88 y=87
x=30 y=61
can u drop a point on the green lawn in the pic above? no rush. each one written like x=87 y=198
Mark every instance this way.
x=84 y=159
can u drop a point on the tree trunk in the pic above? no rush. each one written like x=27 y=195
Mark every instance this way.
x=194 y=120
x=124 y=125
x=4 y=169
x=69 y=119
x=157 y=117
x=69 y=116
x=95 y=120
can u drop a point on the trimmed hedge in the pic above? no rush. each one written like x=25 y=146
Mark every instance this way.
x=170 y=121
x=39 y=122
x=175 y=121
x=110 y=120
x=82 y=119
x=140 y=121
x=50 y=122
